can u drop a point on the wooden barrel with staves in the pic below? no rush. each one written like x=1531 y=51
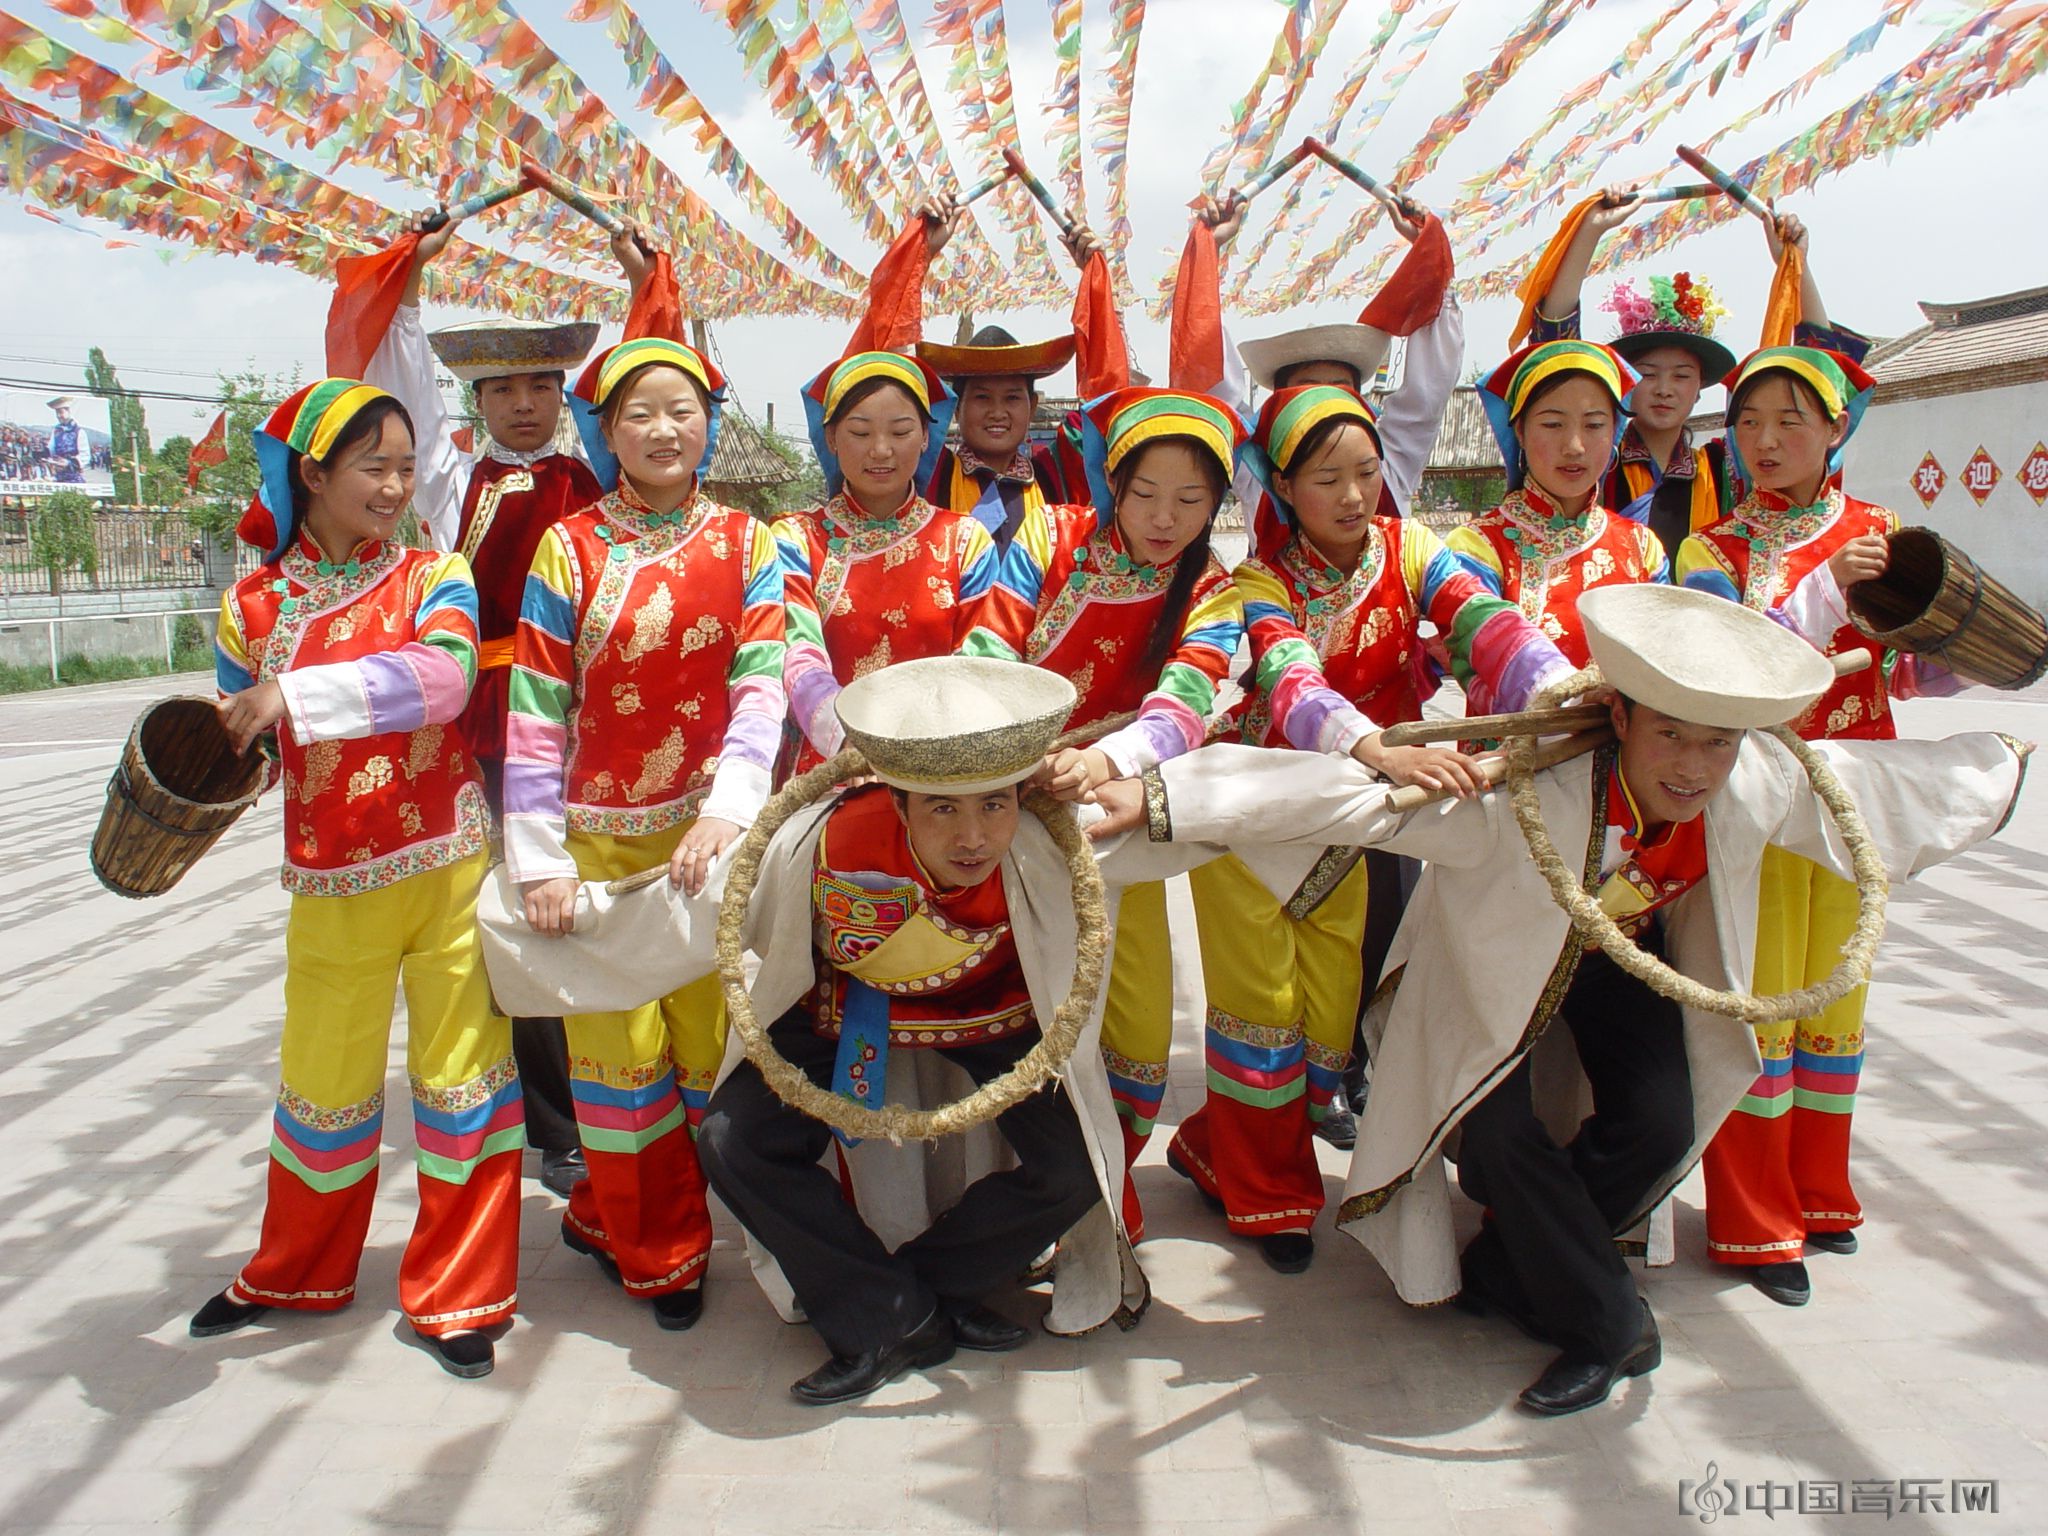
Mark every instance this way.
x=179 y=785
x=1934 y=600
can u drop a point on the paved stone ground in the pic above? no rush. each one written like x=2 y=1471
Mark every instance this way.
x=138 y=1042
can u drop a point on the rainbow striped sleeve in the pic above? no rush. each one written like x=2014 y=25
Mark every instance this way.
x=1656 y=559
x=1309 y=712
x=754 y=697
x=1174 y=716
x=542 y=696
x=1702 y=567
x=1499 y=658
x=807 y=678
x=1474 y=553
x=425 y=681
x=1009 y=607
x=231 y=669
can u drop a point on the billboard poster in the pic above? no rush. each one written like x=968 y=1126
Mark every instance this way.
x=54 y=442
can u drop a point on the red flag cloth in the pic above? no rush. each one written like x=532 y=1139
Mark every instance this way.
x=1195 y=350
x=657 y=309
x=1102 y=362
x=1532 y=288
x=895 y=318
x=366 y=294
x=1414 y=295
x=209 y=450
x=1782 y=309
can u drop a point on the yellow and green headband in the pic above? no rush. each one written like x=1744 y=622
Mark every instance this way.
x=610 y=369
x=1299 y=412
x=1168 y=413
x=1552 y=358
x=856 y=370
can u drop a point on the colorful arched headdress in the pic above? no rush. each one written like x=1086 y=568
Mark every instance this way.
x=1506 y=392
x=1841 y=382
x=1287 y=421
x=610 y=368
x=309 y=423
x=1116 y=424
x=822 y=396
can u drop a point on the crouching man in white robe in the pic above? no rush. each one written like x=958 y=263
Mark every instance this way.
x=1669 y=830
x=912 y=936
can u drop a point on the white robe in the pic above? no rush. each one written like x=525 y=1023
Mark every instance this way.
x=628 y=950
x=1483 y=937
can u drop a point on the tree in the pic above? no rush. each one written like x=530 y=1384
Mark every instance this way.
x=165 y=481
x=248 y=398
x=60 y=536
x=125 y=420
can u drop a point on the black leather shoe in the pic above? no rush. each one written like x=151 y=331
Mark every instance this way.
x=1832 y=1242
x=1288 y=1252
x=989 y=1331
x=1786 y=1284
x=563 y=1171
x=1573 y=1382
x=468 y=1355
x=846 y=1377
x=576 y=1242
x=679 y=1310
x=223 y=1314
x=1173 y=1161
x=1339 y=1127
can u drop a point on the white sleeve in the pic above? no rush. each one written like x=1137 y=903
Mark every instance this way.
x=1414 y=413
x=404 y=366
x=1816 y=607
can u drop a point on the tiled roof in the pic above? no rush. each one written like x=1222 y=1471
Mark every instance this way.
x=1982 y=344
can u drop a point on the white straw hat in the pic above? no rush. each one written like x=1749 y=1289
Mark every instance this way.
x=955 y=725
x=1364 y=347
x=1701 y=658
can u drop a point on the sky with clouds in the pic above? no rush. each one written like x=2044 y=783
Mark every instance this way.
x=1957 y=217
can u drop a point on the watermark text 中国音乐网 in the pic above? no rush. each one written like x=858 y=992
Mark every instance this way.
x=1714 y=1497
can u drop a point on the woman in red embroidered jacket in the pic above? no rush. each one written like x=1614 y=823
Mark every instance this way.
x=877 y=574
x=1334 y=613
x=1557 y=410
x=1778 y=1171
x=359 y=654
x=646 y=705
x=1126 y=600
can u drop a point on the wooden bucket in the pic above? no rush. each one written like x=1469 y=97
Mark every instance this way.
x=179 y=785
x=1933 y=600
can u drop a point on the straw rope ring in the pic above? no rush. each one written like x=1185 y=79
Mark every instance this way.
x=1588 y=917
x=1040 y=1065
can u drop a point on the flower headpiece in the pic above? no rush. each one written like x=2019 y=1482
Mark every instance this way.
x=1678 y=303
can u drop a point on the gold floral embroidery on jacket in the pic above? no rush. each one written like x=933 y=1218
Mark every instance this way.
x=658 y=769
x=423 y=750
x=369 y=778
x=322 y=758
x=708 y=630
x=651 y=622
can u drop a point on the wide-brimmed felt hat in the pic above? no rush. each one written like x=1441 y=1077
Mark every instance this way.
x=993 y=353
x=1363 y=347
x=611 y=368
x=1698 y=657
x=308 y=422
x=1678 y=311
x=822 y=396
x=497 y=349
x=955 y=725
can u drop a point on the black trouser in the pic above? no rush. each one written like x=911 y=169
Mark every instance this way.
x=1389 y=879
x=761 y=1157
x=540 y=1047
x=1548 y=1248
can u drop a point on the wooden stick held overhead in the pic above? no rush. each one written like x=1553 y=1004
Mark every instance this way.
x=1726 y=183
x=1684 y=194
x=1395 y=200
x=1273 y=172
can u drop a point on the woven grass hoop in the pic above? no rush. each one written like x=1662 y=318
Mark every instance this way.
x=1587 y=916
x=1040 y=1065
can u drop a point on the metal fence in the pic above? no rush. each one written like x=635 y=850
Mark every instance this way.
x=132 y=551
